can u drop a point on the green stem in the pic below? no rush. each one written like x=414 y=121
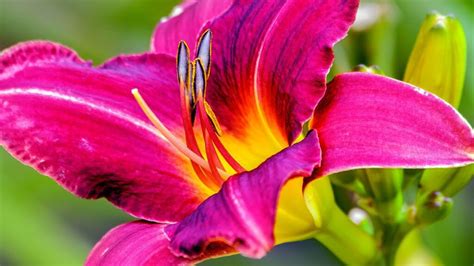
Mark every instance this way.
x=391 y=211
x=393 y=235
x=346 y=240
x=385 y=187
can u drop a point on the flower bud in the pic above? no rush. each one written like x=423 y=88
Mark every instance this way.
x=432 y=207
x=385 y=187
x=383 y=184
x=438 y=61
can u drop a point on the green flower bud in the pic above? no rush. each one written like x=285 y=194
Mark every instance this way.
x=383 y=184
x=432 y=207
x=385 y=187
x=438 y=61
x=448 y=181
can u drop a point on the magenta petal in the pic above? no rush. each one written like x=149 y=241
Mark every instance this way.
x=242 y=213
x=81 y=126
x=368 y=120
x=185 y=23
x=271 y=58
x=140 y=243
x=135 y=243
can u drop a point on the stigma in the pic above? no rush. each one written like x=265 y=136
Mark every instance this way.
x=208 y=164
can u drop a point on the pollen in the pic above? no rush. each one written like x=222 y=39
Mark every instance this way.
x=192 y=79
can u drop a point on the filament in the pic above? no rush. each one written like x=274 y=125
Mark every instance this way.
x=170 y=137
x=217 y=142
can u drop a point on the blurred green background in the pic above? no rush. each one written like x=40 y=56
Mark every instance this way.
x=41 y=224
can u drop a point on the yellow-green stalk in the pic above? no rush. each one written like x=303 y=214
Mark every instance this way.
x=335 y=230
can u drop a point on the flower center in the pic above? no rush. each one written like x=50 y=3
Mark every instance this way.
x=192 y=78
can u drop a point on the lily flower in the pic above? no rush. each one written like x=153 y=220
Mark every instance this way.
x=213 y=163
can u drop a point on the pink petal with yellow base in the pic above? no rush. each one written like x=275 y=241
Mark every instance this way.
x=242 y=214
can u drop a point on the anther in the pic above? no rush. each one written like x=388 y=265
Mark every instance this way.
x=183 y=64
x=204 y=51
x=192 y=94
x=184 y=69
x=200 y=80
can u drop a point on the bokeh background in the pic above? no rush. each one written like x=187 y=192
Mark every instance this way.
x=42 y=224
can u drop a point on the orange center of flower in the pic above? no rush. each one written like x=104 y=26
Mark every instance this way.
x=192 y=78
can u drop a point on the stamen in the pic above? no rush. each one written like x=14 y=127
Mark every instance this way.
x=200 y=90
x=183 y=67
x=220 y=147
x=185 y=70
x=212 y=156
x=206 y=177
x=191 y=142
x=170 y=137
x=199 y=84
x=186 y=105
x=192 y=78
x=188 y=112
